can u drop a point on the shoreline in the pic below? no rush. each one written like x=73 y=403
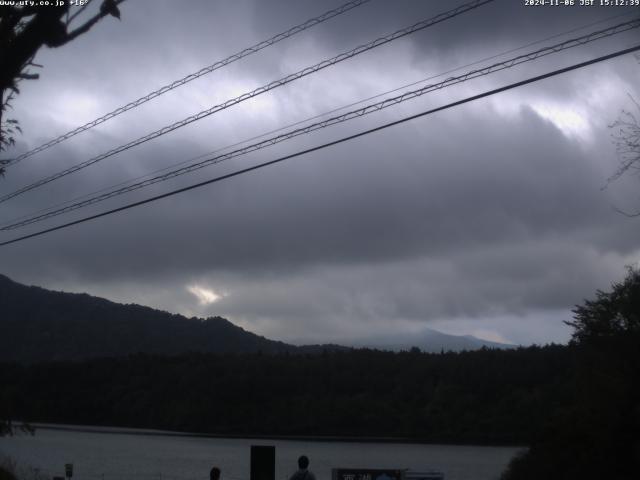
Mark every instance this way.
x=307 y=438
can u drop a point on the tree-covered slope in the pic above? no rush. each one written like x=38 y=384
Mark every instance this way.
x=42 y=325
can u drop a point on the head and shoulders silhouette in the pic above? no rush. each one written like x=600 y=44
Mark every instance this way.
x=214 y=474
x=303 y=472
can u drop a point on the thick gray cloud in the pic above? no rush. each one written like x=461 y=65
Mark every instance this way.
x=489 y=218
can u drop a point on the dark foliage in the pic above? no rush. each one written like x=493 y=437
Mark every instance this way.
x=598 y=435
x=5 y=474
x=482 y=397
x=612 y=315
x=24 y=30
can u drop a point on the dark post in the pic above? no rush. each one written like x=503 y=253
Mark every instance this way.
x=263 y=462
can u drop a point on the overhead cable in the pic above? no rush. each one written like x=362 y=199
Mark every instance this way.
x=314 y=117
x=203 y=71
x=329 y=144
x=319 y=115
x=496 y=67
x=246 y=96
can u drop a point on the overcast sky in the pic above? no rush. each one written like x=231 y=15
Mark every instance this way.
x=488 y=219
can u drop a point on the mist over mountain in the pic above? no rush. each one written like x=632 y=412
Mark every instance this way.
x=428 y=340
x=39 y=325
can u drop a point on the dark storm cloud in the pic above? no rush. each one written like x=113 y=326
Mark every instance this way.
x=487 y=212
x=494 y=25
x=349 y=210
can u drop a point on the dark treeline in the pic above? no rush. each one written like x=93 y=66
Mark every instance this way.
x=481 y=397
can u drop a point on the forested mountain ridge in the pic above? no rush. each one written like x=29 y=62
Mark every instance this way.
x=212 y=376
x=576 y=406
x=42 y=325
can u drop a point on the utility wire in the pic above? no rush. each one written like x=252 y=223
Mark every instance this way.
x=204 y=71
x=329 y=144
x=314 y=117
x=246 y=96
x=591 y=37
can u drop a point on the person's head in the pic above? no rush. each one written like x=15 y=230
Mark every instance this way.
x=303 y=462
x=214 y=474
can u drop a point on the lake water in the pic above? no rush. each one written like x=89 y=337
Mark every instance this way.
x=111 y=454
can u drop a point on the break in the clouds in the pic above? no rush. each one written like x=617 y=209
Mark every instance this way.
x=205 y=296
x=488 y=219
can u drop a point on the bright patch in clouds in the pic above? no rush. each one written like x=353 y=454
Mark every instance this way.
x=567 y=119
x=76 y=107
x=205 y=296
x=571 y=120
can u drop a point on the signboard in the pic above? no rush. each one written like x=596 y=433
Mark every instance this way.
x=263 y=462
x=366 y=474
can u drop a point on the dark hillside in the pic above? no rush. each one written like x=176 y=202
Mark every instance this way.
x=42 y=325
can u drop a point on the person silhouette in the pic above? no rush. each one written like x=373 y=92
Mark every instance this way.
x=303 y=472
x=214 y=474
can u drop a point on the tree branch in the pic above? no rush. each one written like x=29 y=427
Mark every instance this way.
x=80 y=10
x=108 y=7
x=29 y=76
x=626 y=214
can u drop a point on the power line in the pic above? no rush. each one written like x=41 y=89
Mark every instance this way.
x=320 y=115
x=332 y=121
x=591 y=37
x=265 y=88
x=203 y=71
x=329 y=144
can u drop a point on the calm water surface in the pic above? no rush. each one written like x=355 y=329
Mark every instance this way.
x=149 y=456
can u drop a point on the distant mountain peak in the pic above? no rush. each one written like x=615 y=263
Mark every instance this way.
x=428 y=340
x=41 y=325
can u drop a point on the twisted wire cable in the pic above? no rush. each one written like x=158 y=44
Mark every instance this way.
x=320 y=115
x=386 y=103
x=466 y=100
x=203 y=71
x=259 y=91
